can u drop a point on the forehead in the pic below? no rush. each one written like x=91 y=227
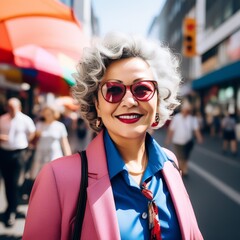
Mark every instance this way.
x=128 y=70
x=13 y=103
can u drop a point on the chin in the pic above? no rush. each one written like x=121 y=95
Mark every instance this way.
x=131 y=133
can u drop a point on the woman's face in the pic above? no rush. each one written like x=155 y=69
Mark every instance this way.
x=48 y=114
x=129 y=118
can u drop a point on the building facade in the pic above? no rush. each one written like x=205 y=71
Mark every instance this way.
x=212 y=77
x=84 y=12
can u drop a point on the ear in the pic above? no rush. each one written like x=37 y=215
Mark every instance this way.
x=97 y=107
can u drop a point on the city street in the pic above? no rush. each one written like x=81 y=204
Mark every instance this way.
x=213 y=186
x=70 y=66
x=214 y=189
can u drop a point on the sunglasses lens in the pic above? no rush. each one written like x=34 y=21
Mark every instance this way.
x=113 y=92
x=144 y=90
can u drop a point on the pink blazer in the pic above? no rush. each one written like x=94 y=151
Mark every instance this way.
x=52 y=207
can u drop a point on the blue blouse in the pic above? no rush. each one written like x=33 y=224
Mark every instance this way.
x=131 y=205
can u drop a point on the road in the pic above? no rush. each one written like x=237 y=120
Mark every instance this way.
x=213 y=185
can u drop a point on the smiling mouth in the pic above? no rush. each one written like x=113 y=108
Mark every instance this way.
x=129 y=118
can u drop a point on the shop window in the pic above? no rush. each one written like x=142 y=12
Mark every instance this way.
x=226 y=99
x=238 y=100
x=229 y=92
x=231 y=107
x=225 y=94
x=228 y=10
x=221 y=96
x=210 y=53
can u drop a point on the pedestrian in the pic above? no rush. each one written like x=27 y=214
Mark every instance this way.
x=16 y=131
x=229 y=134
x=183 y=128
x=216 y=123
x=125 y=85
x=52 y=139
x=200 y=120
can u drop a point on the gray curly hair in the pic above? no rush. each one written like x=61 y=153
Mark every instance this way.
x=115 y=46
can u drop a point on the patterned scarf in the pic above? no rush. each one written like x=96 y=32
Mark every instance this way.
x=153 y=220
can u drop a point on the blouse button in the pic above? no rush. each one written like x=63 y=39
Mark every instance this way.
x=144 y=215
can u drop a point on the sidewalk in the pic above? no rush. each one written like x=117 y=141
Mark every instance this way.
x=15 y=232
x=213 y=144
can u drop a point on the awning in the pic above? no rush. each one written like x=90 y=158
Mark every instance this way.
x=229 y=72
x=13 y=86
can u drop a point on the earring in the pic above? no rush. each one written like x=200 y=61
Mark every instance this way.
x=157 y=119
x=98 y=122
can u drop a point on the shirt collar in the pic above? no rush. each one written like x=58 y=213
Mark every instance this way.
x=156 y=157
x=114 y=159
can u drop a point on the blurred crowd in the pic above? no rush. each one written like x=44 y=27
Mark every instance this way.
x=224 y=125
x=27 y=143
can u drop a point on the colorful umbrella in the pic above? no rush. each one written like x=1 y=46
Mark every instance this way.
x=47 y=24
x=35 y=57
x=46 y=82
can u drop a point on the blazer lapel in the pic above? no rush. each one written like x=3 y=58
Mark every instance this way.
x=100 y=195
x=179 y=197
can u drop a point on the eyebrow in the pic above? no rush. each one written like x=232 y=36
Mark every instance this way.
x=120 y=81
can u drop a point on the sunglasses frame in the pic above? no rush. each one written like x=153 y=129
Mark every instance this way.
x=126 y=87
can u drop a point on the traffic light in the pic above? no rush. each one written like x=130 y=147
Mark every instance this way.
x=189 y=37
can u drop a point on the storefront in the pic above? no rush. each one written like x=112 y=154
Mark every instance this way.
x=219 y=92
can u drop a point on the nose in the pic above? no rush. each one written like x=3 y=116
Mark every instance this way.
x=128 y=99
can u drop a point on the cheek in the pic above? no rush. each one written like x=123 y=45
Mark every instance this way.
x=154 y=111
x=105 y=109
x=153 y=115
x=99 y=105
x=154 y=105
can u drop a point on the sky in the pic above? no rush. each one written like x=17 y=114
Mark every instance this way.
x=130 y=16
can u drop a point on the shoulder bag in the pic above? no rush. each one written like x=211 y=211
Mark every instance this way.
x=82 y=197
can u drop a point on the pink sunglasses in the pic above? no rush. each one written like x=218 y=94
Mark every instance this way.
x=113 y=92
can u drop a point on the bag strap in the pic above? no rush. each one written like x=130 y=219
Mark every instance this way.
x=82 y=197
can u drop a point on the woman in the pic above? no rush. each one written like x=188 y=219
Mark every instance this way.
x=125 y=85
x=229 y=134
x=52 y=140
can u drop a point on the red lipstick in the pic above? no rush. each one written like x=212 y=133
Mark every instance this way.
x=129 y=118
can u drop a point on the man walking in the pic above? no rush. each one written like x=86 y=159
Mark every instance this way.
x=182 y=130
x=16 y=130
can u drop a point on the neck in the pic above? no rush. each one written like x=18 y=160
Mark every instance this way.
x=130 y=149
x=13 y=114
x=134 y=155
x=48 y=121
